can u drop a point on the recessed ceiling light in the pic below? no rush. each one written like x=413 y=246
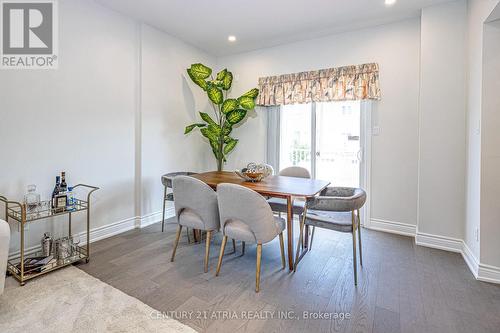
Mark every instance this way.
x=231 y=38
x=390 y=2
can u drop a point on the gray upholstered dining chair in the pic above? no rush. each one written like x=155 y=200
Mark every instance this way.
x=246 y=216
x=279 y=204
x=336 y=208
x=166 y=180
x=195 y=207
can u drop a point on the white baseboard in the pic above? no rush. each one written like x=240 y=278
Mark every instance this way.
x=470 y=259
x=488 y=273
x=481 y=272
x=439 y=242
x=109 y=230
x=392 y=227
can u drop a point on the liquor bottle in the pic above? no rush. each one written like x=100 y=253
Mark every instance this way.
x=64 y=186
x=71 y=205
x=55 y=192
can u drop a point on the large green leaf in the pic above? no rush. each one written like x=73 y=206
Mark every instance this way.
x=251 y=93
x=200 y=82
x=217 y=83
x=221 y=74
x=211 y=136
x=227 y=128
x=215 y=148
x=214 y=128
x=215 y=94
x=227 y=81
x=230 y=146
x=192 y=126
x=199 y=71
x=207 y=118
x=246 y=102
x=236 y=116
x=229 y=105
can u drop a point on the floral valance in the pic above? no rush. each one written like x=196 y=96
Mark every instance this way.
x=333 y=84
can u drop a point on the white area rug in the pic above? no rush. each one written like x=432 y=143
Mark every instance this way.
x=70 y=300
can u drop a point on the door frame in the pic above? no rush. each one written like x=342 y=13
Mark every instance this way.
x=366 y=109
x=366 y=159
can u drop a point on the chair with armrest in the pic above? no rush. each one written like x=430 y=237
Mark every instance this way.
x=336 y=208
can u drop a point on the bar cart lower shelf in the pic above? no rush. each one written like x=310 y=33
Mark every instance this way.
x=19 y=212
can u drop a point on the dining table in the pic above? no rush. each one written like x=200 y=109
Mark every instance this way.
x=288 y=188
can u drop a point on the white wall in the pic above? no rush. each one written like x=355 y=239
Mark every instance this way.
x=442 y=120
x=490 y=152
x=92 y=119
x=478 y=11
x=170 y=102
x=78 y=118
x=395 y=152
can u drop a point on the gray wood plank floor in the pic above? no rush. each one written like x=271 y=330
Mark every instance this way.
x=402 y=287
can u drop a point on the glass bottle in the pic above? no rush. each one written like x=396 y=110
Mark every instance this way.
x=56 y=191
x=71 y=206
x=32 y=199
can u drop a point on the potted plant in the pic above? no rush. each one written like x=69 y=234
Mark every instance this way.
x=228 y=112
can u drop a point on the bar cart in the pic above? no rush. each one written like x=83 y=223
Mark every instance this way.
x=18 y=211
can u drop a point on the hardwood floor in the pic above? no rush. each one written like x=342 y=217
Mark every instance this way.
x=402 y=287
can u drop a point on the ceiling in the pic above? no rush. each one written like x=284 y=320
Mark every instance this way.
x=262 y=23
x=495 y=14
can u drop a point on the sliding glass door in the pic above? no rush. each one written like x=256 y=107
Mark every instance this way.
x=296 y=136
x=325 y=138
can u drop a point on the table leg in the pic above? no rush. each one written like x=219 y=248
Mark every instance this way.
x=289 y=229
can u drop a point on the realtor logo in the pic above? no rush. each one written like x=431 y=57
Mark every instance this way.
x=29 y=34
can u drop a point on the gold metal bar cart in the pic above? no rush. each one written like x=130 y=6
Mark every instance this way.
x=18 y=211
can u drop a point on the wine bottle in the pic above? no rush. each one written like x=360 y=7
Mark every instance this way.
x=56 y=191
x=64 y=186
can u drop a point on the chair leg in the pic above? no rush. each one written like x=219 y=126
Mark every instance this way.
x=222 y=247
x=195 y=236
x=234 y=246
x=312 y=238
x=189 y=238
x=354 y=258
x=242 y=248
x=207 y=249
x=163 y=211
x=177 y=237
x=306 y=237
x=359 y=240
x=257 y=269
x=282 y=249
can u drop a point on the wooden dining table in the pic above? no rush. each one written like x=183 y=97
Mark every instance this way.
x=287 y=188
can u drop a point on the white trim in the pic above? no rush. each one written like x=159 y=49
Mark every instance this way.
x=366 y=109
x=109 y=230
x=488 y=273
x=470 y=259
x=155 y=217
x=439 y=242
x=392 y=227
x=96 y=234
x=481 y=272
